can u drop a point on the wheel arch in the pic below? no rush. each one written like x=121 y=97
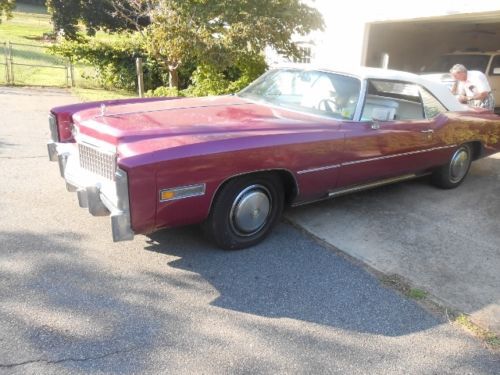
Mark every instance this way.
x=290 y=184
x=477 y=149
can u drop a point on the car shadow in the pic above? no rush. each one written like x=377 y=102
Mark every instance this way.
x=292 y=276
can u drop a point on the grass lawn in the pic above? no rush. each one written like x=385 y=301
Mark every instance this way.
x=25 y=31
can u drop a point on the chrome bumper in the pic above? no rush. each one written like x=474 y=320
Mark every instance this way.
x=102 y=197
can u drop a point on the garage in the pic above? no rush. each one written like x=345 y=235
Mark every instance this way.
x=412 y=44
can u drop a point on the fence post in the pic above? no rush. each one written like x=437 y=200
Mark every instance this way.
x=72 y=73
x=7 y=75
x=140 y=77
x=11 y=60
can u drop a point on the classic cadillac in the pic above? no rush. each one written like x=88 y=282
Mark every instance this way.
x=295 y=135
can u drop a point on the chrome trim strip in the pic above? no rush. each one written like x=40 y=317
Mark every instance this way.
x=95 y=143
x=319 y=169
x=396 y=155
x=189 y=191
x=118 y=114
x=370 y=185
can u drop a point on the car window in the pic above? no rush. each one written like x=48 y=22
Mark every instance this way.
x=432 y=106
x=388 y=100
x=311 y=91
x=495 y=63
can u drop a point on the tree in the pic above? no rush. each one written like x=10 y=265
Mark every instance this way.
x=94 y=14
x=214 y=33
x=65 y=16
x=6 y=8
x=218 y=32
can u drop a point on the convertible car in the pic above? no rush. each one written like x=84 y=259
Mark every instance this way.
x=233 y=163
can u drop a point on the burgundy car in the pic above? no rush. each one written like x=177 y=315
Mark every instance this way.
x=294 y=136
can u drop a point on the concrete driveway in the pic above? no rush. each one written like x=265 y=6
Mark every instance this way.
x=446 y=242
x=73 y=302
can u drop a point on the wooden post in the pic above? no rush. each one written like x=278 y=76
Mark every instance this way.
x=7 y=71
x=11 y=63
x=140 y=77
x=72 y=73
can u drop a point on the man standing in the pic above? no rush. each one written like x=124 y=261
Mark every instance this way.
x=472 y=87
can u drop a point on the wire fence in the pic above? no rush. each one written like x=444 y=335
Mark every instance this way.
x=30 y=64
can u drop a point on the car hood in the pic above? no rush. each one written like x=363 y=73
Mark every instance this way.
x=211 y=117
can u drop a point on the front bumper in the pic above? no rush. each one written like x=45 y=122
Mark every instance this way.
x=102 y=197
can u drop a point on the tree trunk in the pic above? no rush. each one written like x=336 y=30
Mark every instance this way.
x=173 y=77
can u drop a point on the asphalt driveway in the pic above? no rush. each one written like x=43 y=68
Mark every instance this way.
x=71 y=301
x=446 y=242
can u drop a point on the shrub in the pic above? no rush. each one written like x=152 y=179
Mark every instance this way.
x=114 y=61
x=164 y=91
x=208 y=80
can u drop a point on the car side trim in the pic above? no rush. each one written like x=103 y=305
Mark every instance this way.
x=387 y=181
x=326 y=167
x=333 y=166
x=397 y=155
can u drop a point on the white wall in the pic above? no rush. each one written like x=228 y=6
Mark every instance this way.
x=342 y=41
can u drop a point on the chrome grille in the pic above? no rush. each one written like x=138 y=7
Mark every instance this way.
x=97 y=161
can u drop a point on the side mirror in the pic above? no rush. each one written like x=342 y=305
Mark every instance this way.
x=496 y=71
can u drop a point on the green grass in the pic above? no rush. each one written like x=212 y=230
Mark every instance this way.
x=25 y=31
x=416 y=293
x=90 y=95
x=489 y=337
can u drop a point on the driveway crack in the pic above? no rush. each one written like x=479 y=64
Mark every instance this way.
x=69 y=359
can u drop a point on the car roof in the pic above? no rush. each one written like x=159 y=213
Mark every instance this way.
x=439 y=90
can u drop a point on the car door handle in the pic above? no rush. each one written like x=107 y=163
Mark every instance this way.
x=430 y=131
x=375 y=125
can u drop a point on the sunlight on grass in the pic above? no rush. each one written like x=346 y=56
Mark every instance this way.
x=25 y=31
x=90 y=95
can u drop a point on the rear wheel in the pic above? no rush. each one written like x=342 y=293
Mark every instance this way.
x=245 y=210
x=454 y=172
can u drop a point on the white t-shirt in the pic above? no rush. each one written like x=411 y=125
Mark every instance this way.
x=475 y=83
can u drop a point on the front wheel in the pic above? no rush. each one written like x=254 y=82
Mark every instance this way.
x=245 y=210
x=454 y=172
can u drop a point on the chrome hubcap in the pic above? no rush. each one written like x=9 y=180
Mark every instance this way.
x=250 y=210
x=459 y=165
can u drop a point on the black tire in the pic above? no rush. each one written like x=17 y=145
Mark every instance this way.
x=245 y=210
x=453 y=173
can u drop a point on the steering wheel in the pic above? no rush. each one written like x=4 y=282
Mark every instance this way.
x=329 y=105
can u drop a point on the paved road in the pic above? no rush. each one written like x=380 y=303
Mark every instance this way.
x=71 y=301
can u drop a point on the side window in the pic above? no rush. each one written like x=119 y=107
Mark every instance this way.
x=432 y=107
x=495 y=65
x=392 y=100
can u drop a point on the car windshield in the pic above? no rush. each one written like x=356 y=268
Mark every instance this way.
x=309 y=91
x=470 y=61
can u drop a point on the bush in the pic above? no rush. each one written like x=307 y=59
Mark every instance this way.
x=114 y=62
x=208 y=80
x=164 y=91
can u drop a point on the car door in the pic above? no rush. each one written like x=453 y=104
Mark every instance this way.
x=394 y=137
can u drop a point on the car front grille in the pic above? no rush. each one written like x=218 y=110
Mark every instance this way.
x=97 y=161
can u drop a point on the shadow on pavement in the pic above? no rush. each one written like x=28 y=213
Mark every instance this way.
x=304 y=282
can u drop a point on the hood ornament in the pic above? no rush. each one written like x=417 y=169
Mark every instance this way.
x=103 y=110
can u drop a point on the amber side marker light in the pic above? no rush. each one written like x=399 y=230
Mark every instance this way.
x=182 y=192
x=167 y=194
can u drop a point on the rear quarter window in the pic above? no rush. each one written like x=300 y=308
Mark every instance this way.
x=495 y=63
